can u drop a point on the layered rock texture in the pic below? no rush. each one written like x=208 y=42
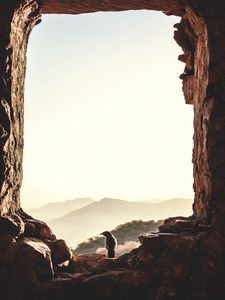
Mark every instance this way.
x=186 y=259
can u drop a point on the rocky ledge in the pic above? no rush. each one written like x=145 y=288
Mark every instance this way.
x=167 y=265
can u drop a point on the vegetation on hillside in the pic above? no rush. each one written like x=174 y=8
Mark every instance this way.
x=124 y=233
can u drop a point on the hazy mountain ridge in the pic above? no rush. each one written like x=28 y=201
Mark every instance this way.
x=57 y=209
x=122 y=208
x=107 y=213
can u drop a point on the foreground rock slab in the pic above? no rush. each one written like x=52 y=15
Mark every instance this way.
x=34 y=258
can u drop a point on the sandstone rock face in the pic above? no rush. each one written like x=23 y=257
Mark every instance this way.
x=37 y=229
x=186 y=259
x=34 y=257
x=29 y=254
x=7 y=248
x=60 y=251
x=12 y=225
x=82 y=263
x=16 y=23
x=175 y=7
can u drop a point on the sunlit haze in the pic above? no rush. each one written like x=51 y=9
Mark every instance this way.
x=105 y=114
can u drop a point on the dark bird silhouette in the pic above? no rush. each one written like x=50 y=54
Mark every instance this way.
x=110 y=243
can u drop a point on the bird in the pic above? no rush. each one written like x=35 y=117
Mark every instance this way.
x=110 y=243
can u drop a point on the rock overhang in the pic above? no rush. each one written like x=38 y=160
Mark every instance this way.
x=175 y=7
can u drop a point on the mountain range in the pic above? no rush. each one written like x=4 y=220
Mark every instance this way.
x=77 y=225
x=57 y=209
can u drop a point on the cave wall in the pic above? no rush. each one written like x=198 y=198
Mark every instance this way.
x=215 y=102
x=175 y=7
x=16 y=23
x=192 y=36
x=203 y=86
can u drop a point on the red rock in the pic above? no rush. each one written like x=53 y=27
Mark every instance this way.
x=7 y=248
x=85 y=262
x=60 y=252
x=38 y=229
x=34 y=258
x=12 y=225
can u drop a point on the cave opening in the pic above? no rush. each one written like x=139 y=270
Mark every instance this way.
x=185 y=259
x=87 y=119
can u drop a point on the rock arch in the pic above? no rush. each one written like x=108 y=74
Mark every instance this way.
x=201 y=38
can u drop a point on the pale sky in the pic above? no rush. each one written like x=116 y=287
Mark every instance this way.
x=104 y=110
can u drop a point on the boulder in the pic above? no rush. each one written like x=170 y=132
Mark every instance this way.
x=141 y=259
x=117 y=284
x=38 y=229
x=60 y=251
x=33 y=258
x=85 y=262
x=7 y=247
x=157 y=243
x=183 y=225
x=12 y=225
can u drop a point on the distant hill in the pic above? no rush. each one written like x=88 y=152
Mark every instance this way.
x=58 y=209
x=151 y=200
x=174 y=206
x=107 y=213
x=126 y=235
